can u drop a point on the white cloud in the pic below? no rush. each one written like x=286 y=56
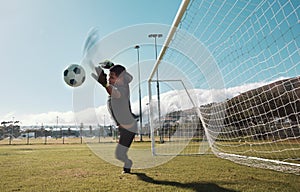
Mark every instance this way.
x=170 y=101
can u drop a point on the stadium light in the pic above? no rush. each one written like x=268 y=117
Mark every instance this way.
x=137 y=47
x=155 y=36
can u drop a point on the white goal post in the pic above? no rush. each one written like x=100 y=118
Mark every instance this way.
x=229 y=74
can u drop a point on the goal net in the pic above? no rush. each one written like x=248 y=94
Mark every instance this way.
x=227 y=81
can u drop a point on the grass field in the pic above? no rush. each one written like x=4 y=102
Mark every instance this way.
x=74 y=167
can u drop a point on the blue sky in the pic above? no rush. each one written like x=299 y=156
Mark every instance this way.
x=245 y=45
x=39 y=38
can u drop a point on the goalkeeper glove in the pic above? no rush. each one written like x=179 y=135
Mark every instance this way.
x=106 y=64
x=101 y=77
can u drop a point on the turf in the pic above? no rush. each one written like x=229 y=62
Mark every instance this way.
x=74 y=167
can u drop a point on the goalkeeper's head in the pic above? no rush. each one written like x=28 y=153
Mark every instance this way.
x=121 y=73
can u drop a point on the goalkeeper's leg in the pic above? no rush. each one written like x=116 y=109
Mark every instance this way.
x=126 y=138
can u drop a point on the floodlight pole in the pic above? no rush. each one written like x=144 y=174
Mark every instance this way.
x=148 y=104
x=12 y=130
x=137 y=47
x=56 y=127
x=45 y=133
x=155 y=36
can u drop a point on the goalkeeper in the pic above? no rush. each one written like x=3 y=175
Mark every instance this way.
x=119 y=107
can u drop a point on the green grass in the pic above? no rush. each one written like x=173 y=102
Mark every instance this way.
x=73 y=167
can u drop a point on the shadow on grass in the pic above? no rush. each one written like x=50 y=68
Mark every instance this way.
x=196 y=186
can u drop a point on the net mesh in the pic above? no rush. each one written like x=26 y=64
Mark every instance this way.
x=238 y=62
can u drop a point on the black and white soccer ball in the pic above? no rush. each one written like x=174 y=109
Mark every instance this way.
x=74 y=75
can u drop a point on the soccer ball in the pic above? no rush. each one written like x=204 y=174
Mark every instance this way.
x=74 y=75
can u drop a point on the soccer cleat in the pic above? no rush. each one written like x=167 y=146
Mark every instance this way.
x=127 y=166
x=126 y=170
